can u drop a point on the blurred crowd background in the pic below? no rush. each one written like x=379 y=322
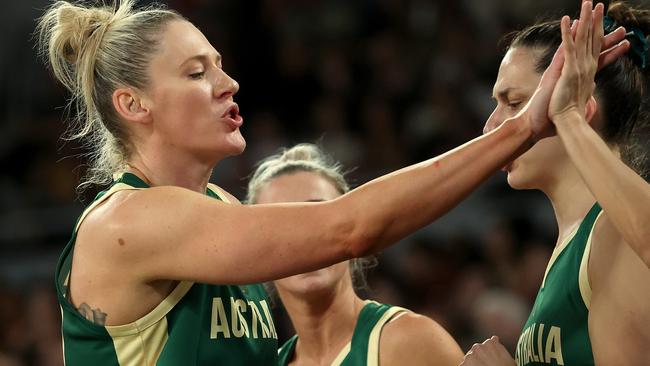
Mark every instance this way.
x=379 y=83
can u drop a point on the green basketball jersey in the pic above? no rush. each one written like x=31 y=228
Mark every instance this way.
x=197 y=324
x=363 y=349
x=556 y=332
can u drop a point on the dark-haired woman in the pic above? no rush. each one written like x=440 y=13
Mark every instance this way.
x=592 y=306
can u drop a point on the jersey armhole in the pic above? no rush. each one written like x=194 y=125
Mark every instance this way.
x=583 y=275
x=63 y=287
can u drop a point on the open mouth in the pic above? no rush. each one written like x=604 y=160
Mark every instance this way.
x=232 y=112
x=232 y=115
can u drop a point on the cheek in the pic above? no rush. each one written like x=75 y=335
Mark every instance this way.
x=542 y=159
x=546 y=152
x=183 y=99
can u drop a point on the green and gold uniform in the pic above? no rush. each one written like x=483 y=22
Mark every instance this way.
x=363 y=349
x=197 y=324
x=556 y=332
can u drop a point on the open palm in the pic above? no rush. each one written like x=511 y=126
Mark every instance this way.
x=568 y=82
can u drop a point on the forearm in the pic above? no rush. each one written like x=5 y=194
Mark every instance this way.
x=622 y=193
x=391 y=207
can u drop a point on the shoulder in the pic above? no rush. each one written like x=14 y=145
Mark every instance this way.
x=110 y=225
x=417 y=338
x=620 y=298
x=119 y=210
x=606 y=244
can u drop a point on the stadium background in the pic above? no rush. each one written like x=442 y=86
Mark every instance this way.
x=379 y=83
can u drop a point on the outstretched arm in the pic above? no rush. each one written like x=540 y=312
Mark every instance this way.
x=184 y=235
x=622 y=193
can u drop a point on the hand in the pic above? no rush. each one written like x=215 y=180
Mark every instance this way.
x=576 y=83
x=537 y=111
x=489 y=353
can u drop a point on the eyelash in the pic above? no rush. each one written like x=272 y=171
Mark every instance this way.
x=197 y=75
x=514 y=105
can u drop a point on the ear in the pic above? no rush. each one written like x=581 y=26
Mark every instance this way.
x=590 y=110
x=129 y=105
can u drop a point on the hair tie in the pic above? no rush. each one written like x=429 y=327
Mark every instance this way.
x=638 y=44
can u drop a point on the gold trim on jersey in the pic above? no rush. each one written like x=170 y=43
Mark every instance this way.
x=341 y=356
x=214 y=188
x=557 y=251
x=62 y=338
x=154 y=316
x=115 y=188
x=143 y=347
x=373 y=339
x=583 y=273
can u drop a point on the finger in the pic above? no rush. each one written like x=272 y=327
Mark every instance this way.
x=611 y=54
x=613 y=38
x=581 y=32
x=583 y=37
x=590 y=33
x=598 y=30
x=569 y=45
x=574 y=28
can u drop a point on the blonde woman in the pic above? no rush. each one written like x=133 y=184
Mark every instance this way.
x=333 y=324
x=162 y=266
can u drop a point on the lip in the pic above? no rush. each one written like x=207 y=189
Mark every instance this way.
x=232 y=116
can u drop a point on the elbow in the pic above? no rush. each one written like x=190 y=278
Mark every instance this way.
x=361 y=244
x=354 y=235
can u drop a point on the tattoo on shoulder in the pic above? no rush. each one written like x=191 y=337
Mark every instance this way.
x=94 y=315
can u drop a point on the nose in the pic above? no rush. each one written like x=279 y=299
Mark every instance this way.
x=225 y=86
x=495 y=120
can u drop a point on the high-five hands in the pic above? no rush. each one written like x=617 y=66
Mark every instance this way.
x=568 y=82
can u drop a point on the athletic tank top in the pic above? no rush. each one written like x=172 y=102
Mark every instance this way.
x=556 y=332
x=197 y=324
x=363 y=349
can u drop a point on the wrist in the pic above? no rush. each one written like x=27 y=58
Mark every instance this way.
x=520 y=127
x=568 y=118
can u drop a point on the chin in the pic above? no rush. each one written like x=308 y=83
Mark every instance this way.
x=515 y=183
x=239 y=144
x=519 y=180
x=236 y=145
x=316 y=282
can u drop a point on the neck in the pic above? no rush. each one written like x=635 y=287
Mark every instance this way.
x=571 y=200
x=324 y=322
x=167 y=170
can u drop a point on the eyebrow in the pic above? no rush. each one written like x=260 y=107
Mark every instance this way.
x=204 y=58
x=504 y=92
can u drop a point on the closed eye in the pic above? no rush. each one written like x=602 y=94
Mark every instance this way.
x=514 y=105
